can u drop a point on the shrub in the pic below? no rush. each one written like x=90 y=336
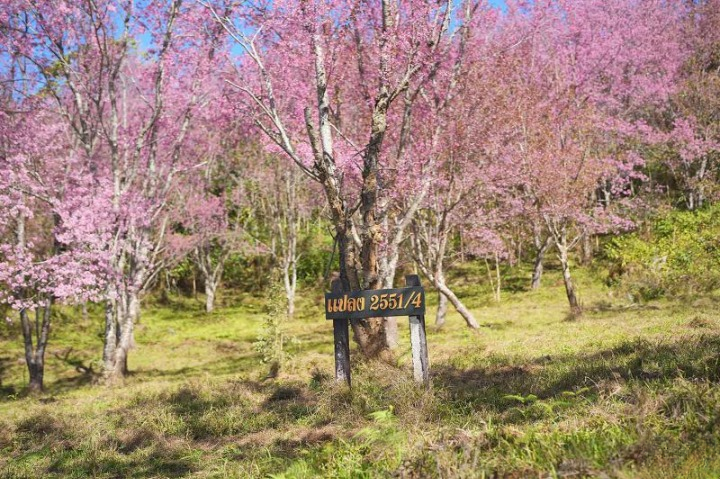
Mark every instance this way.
x=273 y=340
x=677 y=253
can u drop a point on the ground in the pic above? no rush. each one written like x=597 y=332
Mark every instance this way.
x=626 y=390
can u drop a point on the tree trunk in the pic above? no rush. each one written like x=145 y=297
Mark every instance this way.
x=38 y=334
x=457 y=304
x=389 y=267
x=289 y=240
x=120 y=337
x=391 y=332
x=289 y=271
x=37 y=372
x=538 y=264
x=291 y=303
x=369 y=334
x=442 y=308
x=429 y=242
x=35 y=336
x=356 y=272
x=212 y=271
x=110 y=334
x=537 y=271
x=210 y=288
x=126 y=338
x=569 y=287
x=494 y=282
x=498 y=278
x=587 y=249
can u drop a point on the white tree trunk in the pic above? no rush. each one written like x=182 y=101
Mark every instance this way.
x=498 y=278
x=458 y=305
x=562 y=247
x=211 y=269
x=442 y=308
x=541 y=249
x=286 y=230
x=388 y=268
x=210 y=288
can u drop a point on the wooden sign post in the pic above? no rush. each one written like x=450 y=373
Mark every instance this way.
x=409 y=301
x=342 y=341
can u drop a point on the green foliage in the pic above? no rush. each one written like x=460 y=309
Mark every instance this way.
x=678 y=254
x=271 y=343
x=316 y=245
x=250 y=273
x=253 y=272
x=7 y=322
x=180 y=278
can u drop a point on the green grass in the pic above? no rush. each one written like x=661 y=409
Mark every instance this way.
x=624 y=391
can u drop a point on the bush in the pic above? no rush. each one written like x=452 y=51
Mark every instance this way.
x=677 y=253
x=251 y=273
x=317 y=248
x=255 y=272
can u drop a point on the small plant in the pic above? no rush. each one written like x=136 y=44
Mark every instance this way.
x=529 y=399
x=272 y=340
x=383 y=426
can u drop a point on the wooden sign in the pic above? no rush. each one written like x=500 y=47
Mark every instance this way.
x=375 y=303
x=341 y=307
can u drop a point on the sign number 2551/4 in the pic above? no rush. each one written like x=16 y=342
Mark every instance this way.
x=395 y=301
x=408 y=301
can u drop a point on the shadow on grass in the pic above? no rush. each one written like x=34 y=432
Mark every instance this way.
x=85 y=376
x=170 y=433
x=164 y=434
x=5 y=391
x=604 y=306
x=220 y=367
x=51 y=445
x=161 y=459
x=63 y=385
x=506 y=383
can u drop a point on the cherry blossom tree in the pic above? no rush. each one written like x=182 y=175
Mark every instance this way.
x=323 y=82
x=205 y=211
x=686 y=131
x=54 y=228
x=206 y=232
x=454 y=125
x=283 y=200
x=126 y=78
x=580 y=64
x=52 y=224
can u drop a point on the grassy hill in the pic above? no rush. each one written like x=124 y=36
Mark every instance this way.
x=624 y=391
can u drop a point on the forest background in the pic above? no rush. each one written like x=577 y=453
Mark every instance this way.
x=181 y=180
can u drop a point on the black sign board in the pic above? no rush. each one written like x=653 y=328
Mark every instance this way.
x=375 y=303
x=409 y=301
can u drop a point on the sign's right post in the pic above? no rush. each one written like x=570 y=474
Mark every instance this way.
x=418 y=340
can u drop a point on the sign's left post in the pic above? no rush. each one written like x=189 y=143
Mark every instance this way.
x=341 y=331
